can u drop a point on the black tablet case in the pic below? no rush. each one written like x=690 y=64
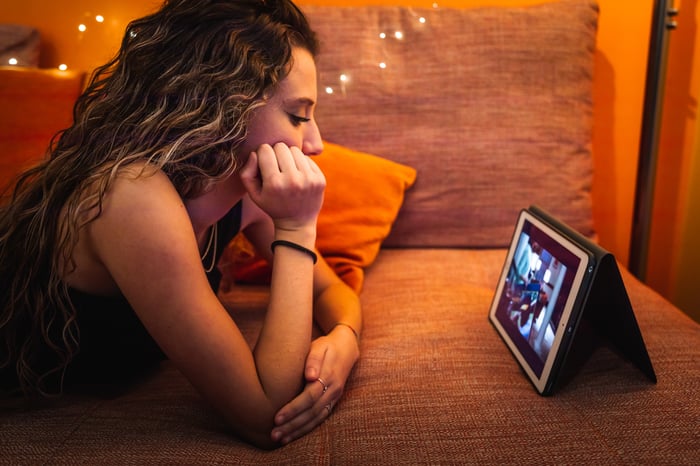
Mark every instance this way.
x=607 y=310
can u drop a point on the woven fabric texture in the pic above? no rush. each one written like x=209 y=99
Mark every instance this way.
x=492 y=106
x=435 y=385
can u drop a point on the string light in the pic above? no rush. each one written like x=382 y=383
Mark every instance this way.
x=99 y=18
x=12 y=61
x=82 y=27
x=398 y=35
x=63 y=67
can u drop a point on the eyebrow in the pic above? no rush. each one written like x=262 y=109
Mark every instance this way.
x=301 y=101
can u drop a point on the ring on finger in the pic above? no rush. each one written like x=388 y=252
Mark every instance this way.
x=323 y=384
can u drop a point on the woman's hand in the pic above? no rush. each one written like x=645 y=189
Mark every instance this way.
x=285 y=184
x=328 y=366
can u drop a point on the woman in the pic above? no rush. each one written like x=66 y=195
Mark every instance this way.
x=200 y=127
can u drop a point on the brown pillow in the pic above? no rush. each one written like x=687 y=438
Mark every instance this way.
x=492 y=106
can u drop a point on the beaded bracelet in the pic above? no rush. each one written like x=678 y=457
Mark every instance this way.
x=298 y=247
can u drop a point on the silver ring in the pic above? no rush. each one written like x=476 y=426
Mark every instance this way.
x=325 y=387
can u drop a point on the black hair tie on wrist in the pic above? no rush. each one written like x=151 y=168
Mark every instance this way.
x=298 y=247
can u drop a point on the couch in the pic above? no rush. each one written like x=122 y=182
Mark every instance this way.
x=441 y=125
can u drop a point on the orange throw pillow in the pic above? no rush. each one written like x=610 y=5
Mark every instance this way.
x=363 y=196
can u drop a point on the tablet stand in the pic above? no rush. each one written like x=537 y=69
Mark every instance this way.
x=607 y=311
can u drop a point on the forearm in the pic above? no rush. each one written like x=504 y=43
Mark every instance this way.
x=286 y=333
x=336 y=304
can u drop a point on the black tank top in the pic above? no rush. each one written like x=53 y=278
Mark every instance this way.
x=114 y=345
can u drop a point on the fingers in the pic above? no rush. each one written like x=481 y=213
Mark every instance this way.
x=250 y=174
x=314 y=362
x=288 y=185
x=313 y=406
x=284 y=159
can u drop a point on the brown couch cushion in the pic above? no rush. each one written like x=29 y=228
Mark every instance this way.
x=435 y=385
x=529 y=72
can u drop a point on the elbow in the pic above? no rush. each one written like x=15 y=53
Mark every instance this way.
x=257 y=438
x=255 y=431
x=264 y=442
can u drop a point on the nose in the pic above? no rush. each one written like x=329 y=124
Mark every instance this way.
x=313 y=144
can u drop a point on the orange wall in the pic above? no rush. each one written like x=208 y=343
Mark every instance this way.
x=623 y=40
x=674 y=252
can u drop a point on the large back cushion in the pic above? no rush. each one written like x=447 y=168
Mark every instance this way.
x=491 y=105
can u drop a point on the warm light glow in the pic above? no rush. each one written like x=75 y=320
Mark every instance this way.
x=382 y=65
x=82 y=27
x=398 y=35
x=99 y=18
x=382 y=35
x=435 y=5
x=421 y=20
x=329 y=90
x=12 y=61
x=344 y=78
x=63 y=67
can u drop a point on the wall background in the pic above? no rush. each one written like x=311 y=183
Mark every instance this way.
x=623 y=41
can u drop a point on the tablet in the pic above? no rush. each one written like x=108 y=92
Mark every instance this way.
x=539 y=297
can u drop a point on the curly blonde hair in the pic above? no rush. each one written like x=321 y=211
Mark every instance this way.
x=178 y=95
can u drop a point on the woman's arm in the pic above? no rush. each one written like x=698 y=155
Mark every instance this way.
x=332 y=356
x=145 y=239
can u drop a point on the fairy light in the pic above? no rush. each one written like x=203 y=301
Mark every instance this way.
x=82 y=28
x=382 y=65
x=63 y=67
x=12 y=61
x=398 y=35
x=382 y=35
x=329 y=90
x=99 y=18
x=421 y=20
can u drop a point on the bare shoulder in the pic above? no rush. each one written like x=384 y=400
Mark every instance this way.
x=142 y=218
x=137 y=201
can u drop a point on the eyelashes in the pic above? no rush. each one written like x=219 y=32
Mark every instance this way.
x=297 y=120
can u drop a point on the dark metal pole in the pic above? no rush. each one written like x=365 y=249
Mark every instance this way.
x=662 y=23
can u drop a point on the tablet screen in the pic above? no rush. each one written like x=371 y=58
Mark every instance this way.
x=536 y=293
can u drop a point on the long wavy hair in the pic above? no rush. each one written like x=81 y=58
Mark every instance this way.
x=178 y=95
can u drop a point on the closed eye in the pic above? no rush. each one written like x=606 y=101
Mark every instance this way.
x=297 y=120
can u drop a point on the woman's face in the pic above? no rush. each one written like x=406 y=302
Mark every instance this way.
x=288 y=116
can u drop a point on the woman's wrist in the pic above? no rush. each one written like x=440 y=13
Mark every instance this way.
x=348 y=328
x=305 y=237
x=297 y=247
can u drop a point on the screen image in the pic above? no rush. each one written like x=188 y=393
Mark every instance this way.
x=537 y=286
